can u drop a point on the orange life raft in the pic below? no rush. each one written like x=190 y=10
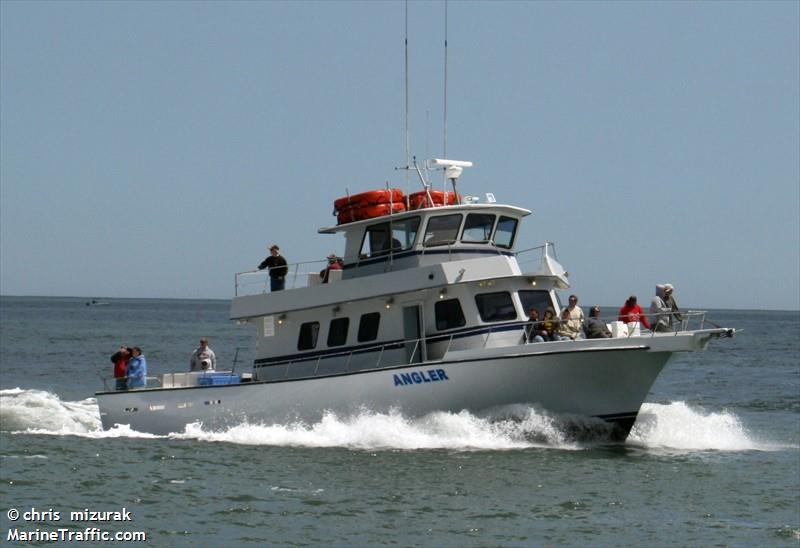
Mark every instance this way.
x=419 y=200
x=366 y=205
x=372 y=197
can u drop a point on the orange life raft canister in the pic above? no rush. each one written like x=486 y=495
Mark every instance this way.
x=419 y=200
x=366 y=205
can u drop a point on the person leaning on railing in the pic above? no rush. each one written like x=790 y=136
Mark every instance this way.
x=660 y=310
x=277 y=268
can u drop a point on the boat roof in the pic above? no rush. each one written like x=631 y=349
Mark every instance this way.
x=428 y=211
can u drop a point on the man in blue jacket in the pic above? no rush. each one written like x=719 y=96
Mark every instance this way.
x=137 y=369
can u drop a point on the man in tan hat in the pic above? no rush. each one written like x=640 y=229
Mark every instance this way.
x=277 y=268
x=669 y=300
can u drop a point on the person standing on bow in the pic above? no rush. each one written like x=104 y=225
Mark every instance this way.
x=662 y=319
x=203 y=358
x=632 y=312
x=137 y=369
x=669 y=300
x=277 y=268
x=572 y=320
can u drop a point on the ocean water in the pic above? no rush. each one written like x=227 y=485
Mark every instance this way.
x=713 y=460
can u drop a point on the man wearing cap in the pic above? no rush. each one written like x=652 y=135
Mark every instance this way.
x=669 y=300
x=203 y=358
x=277 y=268
x=334 y=263
x=662 y=319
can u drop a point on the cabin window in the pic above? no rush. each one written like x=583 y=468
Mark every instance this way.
x=376 y=240
x=442 y=230
x=538 y=299
x=337 y=331
x=383 y=238
x=449 y=314
x=368 y=327
x=505 y=232
x=478 y=227
x=308 y=336
x=496 y=307
x=405 y=232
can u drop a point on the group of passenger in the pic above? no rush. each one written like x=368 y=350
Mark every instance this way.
x=130 y=365
x=573 y=325
x=130 y=368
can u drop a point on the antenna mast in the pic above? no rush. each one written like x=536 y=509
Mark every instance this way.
x=445 y=79
x=408 y=138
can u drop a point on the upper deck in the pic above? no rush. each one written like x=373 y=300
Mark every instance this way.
x=428 y=236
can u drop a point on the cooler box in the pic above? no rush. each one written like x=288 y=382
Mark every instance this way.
x=634 y=329
x=216 y=379
x=618 y=329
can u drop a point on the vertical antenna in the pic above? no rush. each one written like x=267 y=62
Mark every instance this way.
x=445 y=87
x=408 y=138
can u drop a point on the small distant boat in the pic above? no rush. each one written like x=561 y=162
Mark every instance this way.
x=95 y=302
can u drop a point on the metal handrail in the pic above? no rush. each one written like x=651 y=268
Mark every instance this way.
x=296 y=274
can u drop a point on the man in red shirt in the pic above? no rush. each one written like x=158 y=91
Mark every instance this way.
x=120 y=360
x=632 y=312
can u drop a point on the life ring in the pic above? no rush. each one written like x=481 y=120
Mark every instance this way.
x=352 y=214
x=419 y=200
x=372 y=197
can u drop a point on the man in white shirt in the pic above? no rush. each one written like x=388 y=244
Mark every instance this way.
x=203 y=358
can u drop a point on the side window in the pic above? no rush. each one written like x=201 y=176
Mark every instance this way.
x=505 y=232
x=337 y=332
x=376 y=240
x=449 y=314
x=308 y=336
x=538 y=299
x=496 y=307
x=368 y=326
x=478 y=227
x=442 y=230
x=404 y=233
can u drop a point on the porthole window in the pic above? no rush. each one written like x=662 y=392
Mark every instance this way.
x=449 y=314
x=496 y=307
x=308 y=336
x=337 y=332
x=368 y=327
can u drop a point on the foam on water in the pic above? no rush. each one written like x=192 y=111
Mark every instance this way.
x=25 y=410
x=673 y=427
x=678 y=426
x=370 y=430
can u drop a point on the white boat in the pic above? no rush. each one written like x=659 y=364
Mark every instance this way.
x=429 y=313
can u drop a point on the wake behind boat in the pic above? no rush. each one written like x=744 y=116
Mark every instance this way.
x=428 y=313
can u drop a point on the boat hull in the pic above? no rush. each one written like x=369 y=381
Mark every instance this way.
x=605 y=381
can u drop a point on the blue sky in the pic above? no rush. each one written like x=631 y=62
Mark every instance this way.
x=154 y=149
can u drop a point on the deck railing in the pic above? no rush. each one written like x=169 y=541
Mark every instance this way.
x=505 y=335
x=305 y=273
x=495 y=336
